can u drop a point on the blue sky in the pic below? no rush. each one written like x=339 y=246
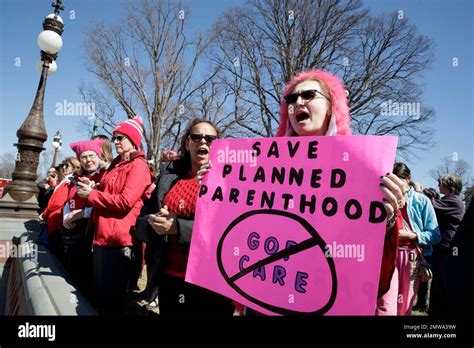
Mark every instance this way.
x=449 y=90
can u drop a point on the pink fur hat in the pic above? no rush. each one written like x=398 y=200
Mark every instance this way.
x=340 y=117
x=88 y=145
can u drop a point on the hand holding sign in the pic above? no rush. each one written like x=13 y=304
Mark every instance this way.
x=394 y=191
x=202 y=171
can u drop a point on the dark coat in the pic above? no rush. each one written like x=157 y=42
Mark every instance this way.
x=449 y=212
x=457 y=277
x=170 y=174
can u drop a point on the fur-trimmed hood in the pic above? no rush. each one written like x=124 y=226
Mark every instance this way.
x=340 y=116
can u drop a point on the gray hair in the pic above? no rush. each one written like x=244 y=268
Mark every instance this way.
x=452 y=182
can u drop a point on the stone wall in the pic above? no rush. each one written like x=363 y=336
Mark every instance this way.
x=32 y=281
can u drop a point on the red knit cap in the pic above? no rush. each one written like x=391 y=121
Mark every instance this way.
x=133 y=129
x=88 y=145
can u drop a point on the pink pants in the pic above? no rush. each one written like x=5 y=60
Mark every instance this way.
x=403 y=286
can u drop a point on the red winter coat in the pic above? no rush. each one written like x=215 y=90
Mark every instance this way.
x=389 y=256
x=53 y=214
x=118 y=200
x=73 y=199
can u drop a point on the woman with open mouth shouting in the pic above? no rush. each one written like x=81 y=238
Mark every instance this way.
x=166 y=224
x=315 y=102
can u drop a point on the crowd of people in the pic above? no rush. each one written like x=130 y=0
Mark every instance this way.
x=107 y=216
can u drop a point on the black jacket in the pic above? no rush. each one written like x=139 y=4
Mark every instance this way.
x=169 y=175
x=459 y=276
x=44 y=196
x=449 y=212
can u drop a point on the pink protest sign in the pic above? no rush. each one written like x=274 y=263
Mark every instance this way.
x=293 y=225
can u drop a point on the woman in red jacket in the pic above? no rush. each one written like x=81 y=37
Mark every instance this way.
x=53 y=214
x=76 y=236
x=117 y=201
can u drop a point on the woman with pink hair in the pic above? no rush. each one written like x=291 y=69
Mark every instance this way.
x=315 y=102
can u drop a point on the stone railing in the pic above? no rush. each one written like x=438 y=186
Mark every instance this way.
x=37 y=283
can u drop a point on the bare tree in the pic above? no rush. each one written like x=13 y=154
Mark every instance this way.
x=262 y=45
x=453 y=166
x=381 y=77
x=104 y=110
x=7 y=165
x=146 y=65
x=211 y=103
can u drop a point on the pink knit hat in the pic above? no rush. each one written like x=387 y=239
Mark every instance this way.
x=133 y=129
x=88 y=145
x=340 y=117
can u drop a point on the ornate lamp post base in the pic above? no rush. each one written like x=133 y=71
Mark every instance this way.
x=10 y=208
x=20 y=198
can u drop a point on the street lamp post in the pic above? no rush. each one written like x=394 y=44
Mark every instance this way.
x=20 y=198
x=57 y=143
x=95 y=127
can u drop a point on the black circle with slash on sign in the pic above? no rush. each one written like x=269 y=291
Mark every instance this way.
x=315 y=240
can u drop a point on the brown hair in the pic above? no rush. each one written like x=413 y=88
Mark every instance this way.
x=401 y=170
x=185 y=155
x=107 y=154
x=72 y=161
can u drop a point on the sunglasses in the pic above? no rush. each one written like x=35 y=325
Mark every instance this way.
x=118 y=137
x=305 y=95
x=198 y=137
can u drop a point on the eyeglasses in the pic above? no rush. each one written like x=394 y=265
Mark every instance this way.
x=198 y=137
x=305 y=95
x=118 y=137
x=88 y=158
